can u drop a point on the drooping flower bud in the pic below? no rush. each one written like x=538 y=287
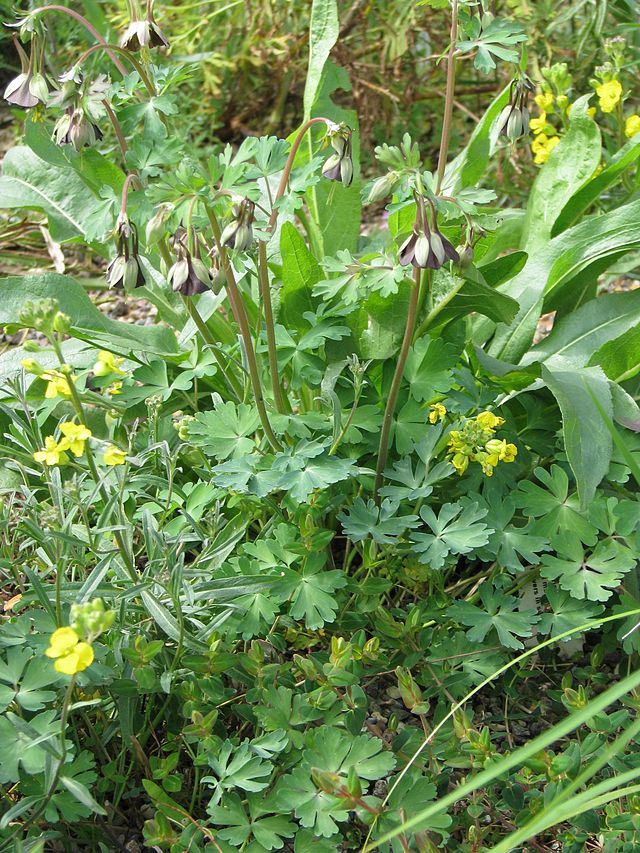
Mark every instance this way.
x=125 y=270
x=28 y=88
x=513 y=121
x=145 y=33
x=382 y=187
x=238 y=234
x=74 y=128
x=339 y=165
x=189 y=275
x=157 y=225
x=426 y=247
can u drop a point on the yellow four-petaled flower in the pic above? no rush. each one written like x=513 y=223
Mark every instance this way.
x=114 y=456
x=609 y=95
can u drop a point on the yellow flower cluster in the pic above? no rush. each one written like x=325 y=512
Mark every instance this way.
x=609 y=94
x=74 y=438
x=71 y=654
x=475 y=442
x=438 y=413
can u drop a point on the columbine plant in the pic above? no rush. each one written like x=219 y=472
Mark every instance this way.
x=335 y=490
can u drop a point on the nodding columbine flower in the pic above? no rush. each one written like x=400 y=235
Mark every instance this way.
x=189 y=275
x=144 y=33
x=29 y=88
x=74 y=128
x=339 y=165
x=125 y=270
x=513 y=121
x=238 y=234
x=426 y=247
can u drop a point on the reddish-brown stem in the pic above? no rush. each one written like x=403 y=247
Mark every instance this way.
x=390 y=408
x=263 y=270
x=449 y=96
x=282 y=186
x=125 y=191
x=240 y=316
x=89 y=27
x=151 y=89
x=122 y=143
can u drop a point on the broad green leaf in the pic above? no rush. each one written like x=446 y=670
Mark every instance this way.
x=455 y=296
x=300 y=272
x=337 y=751
x=502 y=269
x=594 y=576
x=620 y=358
x=236 y=767
x=429 y=367
x=324 y=29
x=566 y=612
x=57 y=191
x=226 y=431
x=379 y=323
x=555 y=264
x=576 y=337
x=553 y=506
x=336 y=209
x=593 y=189
x=572 y=162
x=314 y=809
x=313 y=595
x=500 y=612
x=457 y=529
x=88 y=323
x=380 y=523
x=471 y=163
x=587 y=440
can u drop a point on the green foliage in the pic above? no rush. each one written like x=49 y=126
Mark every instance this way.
x=330 y=555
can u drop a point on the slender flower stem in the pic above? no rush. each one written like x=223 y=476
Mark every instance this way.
x=125 y=191
x=263 y=270
x=240 y=315
x=89 y=27
x=122 y=143
x=286 y=172
x=390 y=408
x=231 y=379
x=265 y=293
x=114 y=48
x=449 y=97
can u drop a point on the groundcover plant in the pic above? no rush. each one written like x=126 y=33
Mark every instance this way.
x=332 y=556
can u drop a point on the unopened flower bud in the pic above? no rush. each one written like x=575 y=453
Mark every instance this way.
x=382 y=187
x=157 y=225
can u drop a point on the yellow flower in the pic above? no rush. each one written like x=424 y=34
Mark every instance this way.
x=609 y=94
x=542 y=146
x=75 y=437
x=71 y=654
x=107 y=363
x=544 y=102
x=114 y=389
x=57 y=384
x=437 y=413
x=632 y=126
x=114 y=456
x=591 y=112
x=53 y=452
x=502 y=451
x=460 y=462
x=537 y=125
x=488 y=420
